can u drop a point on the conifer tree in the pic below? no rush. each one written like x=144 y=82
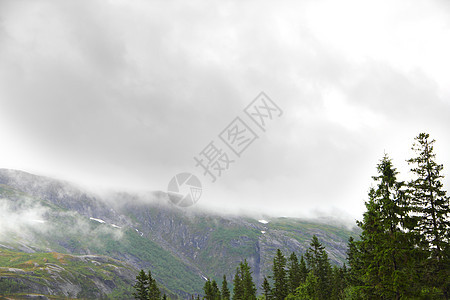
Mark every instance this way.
x=211 y=290
x=153 y=291
x=280 y=286
x=354 y=262
x=318 y=263
x=215 y=290
x=338 y=283
x=385 y=256
x=303 y=270
x=225 y=290
x=247 y=281
x=244 y=287
x=238 y=289
x=266 y=289
x=309 y=290
x=430 y=205
x=141 y=286
x=207 y=289
x=294 y=276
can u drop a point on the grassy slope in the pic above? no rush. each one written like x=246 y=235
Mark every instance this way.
x=39 y=268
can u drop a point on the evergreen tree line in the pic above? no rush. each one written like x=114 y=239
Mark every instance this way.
x=310 y=277
x=402 y=251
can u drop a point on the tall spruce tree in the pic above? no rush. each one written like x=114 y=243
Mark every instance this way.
x=211 y=290
x=338 y=283
x=354 y=263
x=266 y=289
x=244 y=287
x=385 y=258
x=294 y=275
x=431 y=208
x=153 y=291
x=238 y=289
x=303 y=270
x=215 y=291
x=247 y=281
x=207 y=289
x=280 y=285
x=368 y=245
x=225 y=290
x=308 y=290
x=318 y=263
x=141 y=286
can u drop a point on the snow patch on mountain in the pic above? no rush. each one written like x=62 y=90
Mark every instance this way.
x=97 y=220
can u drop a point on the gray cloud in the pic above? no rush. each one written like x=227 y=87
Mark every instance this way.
x=125 y=94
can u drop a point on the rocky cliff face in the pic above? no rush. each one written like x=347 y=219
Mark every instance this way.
x=180 y=246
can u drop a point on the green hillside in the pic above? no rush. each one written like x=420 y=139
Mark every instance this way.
x=66 y=276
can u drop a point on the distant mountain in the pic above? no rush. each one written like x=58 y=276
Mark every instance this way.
x=182 y=247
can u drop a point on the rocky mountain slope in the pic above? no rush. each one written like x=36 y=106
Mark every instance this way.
x=181 y=246
x=86 y=276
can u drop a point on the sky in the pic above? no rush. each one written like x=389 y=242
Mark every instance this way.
x=124 y=94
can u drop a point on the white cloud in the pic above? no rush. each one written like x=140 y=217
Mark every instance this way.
x=124 y=93
x=20 y=220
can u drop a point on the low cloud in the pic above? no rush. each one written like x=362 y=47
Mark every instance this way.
x=19 y=219
x=123 y=94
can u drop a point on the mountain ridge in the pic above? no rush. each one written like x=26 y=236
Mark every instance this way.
x=181 y=247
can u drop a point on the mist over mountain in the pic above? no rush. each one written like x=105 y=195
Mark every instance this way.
x=181 y=246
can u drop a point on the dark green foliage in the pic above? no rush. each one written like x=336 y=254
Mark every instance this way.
x=280 y=285
x=238 y=290
x=146 y=287
x=338 y=282
x=294 y=273
x=318 y=263
x=382 y=262
x=244 y=287
x=141 y=286
x=247 y=281
x=225 y=290
x=403 y=251
x=309 y=290
x=355 y=265
x=215 y=291
x=267 y=291
x=303 y=270
x=207 y=289
x=211 y=290
x=430 y=204
x=153 y=290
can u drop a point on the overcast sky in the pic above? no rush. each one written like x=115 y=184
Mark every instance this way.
x=124 y=94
